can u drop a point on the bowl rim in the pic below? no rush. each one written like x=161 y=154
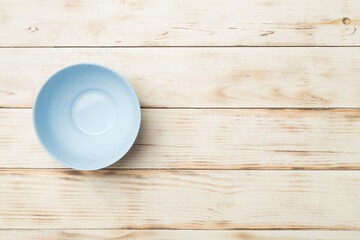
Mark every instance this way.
x=103 y=164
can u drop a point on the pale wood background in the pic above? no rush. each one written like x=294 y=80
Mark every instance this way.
x=250 y=128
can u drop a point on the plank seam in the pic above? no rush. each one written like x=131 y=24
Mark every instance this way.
x=185 y=46
x=193 y=229
x=230 y=108
x=190 y=169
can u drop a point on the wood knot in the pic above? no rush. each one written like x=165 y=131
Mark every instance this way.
x=346 y=21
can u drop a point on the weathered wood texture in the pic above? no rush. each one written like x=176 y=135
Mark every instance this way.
x=176 y=235
x=66 y=204
x=179 y=23
x=217 y=199
x=200 y=77
x=222 y=138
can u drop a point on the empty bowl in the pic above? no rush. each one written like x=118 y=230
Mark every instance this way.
x=86 y=116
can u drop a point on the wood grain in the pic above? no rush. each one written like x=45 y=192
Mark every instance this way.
x=176 y=235
x=187 y=167
x=200 y=77
x=179 y=23
x=202 y=139
x=217 y=199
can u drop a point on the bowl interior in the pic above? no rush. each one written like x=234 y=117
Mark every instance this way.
x=87 y=116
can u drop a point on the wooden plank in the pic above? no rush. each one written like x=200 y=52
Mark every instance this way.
x=202 y=139
x=177 y=235
x=179 y=22
x=216 y=199
x=200 y=77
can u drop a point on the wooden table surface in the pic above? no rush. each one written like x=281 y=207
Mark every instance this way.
x=250 y=120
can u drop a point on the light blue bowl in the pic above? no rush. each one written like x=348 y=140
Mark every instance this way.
x=86 y=116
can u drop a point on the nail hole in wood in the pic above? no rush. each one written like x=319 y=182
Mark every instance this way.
x=346 y=21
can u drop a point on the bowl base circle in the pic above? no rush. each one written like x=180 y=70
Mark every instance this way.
x=93 y=112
